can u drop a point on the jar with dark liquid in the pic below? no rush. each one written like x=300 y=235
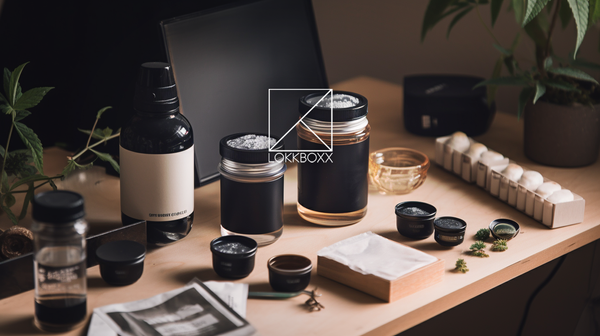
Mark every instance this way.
x=59 y=257
x=333 y=190
x=157 y=159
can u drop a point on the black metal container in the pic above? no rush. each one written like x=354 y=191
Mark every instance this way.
x=415 y=219
x=289 y=272
x=233 y=256
x=121 y=262
x=251 y=191
x=449 y=231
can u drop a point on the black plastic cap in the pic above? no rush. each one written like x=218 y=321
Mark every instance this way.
x=121 y=252
x=155 y=89
x=339 y=114
x=57 y=207
x=247 y=155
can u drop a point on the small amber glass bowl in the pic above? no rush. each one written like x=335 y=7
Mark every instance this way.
x=397 y=171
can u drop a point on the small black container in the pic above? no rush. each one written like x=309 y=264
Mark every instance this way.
x=233 y=256
x=449 y=231
x=415 y=219
x=503 y=228
x=289 y=272
x=121 y=262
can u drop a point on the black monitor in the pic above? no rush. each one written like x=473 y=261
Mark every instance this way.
x=225 y=61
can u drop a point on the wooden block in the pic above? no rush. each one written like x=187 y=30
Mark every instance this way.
x=386 y=290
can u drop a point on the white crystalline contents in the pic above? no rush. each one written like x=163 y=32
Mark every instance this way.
x=232 y=248
x=410 y=211
x=252 y=141
x=340 y=100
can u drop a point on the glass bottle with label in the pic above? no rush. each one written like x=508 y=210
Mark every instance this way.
x=59 y=260
x=333 y=180
x=157 y=159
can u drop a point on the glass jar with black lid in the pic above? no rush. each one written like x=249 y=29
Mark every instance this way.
x=251 y=187
x=334 y=191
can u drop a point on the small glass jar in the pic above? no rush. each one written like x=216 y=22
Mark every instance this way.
x=251 y=189
x=333 y=192
x=449 y=231
x=59 y=258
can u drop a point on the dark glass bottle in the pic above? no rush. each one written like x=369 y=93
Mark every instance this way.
x=157 y=159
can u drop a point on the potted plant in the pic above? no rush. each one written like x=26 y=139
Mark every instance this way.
x=559 y=101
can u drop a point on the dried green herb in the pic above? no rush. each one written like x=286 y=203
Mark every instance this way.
x=461 y=266
x=477 y=249
x=482 y=234
x=500 y=245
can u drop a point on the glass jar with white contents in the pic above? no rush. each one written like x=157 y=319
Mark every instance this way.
x=59 y=230
x=251 y=187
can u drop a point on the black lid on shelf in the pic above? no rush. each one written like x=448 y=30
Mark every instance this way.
x=121 y=252
x=247 y=155
x=323 y=112
x=57 y=207
x=155 y=89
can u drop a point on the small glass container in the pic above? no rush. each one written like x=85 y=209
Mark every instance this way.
x=397 y=171
x=449 y=231
x=121 y=262
x=503 y=228
x=233 y=256
x=415 y=219
x=334 y=192
x=289 y=272
x=59 y=258
x=251 y=187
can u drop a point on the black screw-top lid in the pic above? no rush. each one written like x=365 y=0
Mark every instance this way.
x=57 y=207
x=155 y=89
x=323 y=113
x=121 y=252
x=247 y=155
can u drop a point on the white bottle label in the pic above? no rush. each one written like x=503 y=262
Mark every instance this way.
x=157 y=187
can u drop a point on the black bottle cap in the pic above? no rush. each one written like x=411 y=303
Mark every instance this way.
x=57 y=207
x=155 y=89
x=121 y=252
x=247 y=155
x=322 y=111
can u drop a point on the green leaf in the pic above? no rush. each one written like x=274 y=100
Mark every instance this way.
x=108 y=158
x=594 y=13
x=565 y=13
x=31 y=98
x=98 y=135
x=6 y=109
x=503 y=50
x=495 y=7
x=28 y=198
x=433 y=14
x=107 y=132
x=519 y=7
x=14 y=82
x=102 y=110
x=580 y=9
x=540 y=89
x=6 y=78
x=524 y=97
x=10 y=215
x=21 y=114
x=515 y=80
x=456 y=19
x=3 y=99
x=31 y=140
x=9 y=200
x=559 y=84
x=510 y=64
x=29 y=179
x=537 y=34
x=548 y=63
x=534 y=7
x=573 y=73
x=69 y=168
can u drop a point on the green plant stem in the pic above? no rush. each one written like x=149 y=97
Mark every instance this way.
x=39 y=185
x=484 y=25
x=551 y=29
x=94 y=145
x=92 y=132
x=6 y=151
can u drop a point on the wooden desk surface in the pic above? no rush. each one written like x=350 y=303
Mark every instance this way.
x=348 y=311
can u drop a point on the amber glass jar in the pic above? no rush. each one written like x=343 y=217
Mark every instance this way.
x=333 y=187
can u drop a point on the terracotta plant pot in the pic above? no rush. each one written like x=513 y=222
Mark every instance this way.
x=562 y=136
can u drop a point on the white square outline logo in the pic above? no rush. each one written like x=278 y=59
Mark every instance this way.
x=329 y=148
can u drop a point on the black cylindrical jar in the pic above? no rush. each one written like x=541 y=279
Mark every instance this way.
x=333 y=189
x=289 y=272
x=121 y=262
x=251 y=187
x=415 y=219
x=233 y=256
x=449 y=231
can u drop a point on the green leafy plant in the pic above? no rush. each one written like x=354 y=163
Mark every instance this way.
x=22 y=170
x=482 y=234
x=558 y=80
x=461 y=266
x=500 y=245
x=477 y=249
